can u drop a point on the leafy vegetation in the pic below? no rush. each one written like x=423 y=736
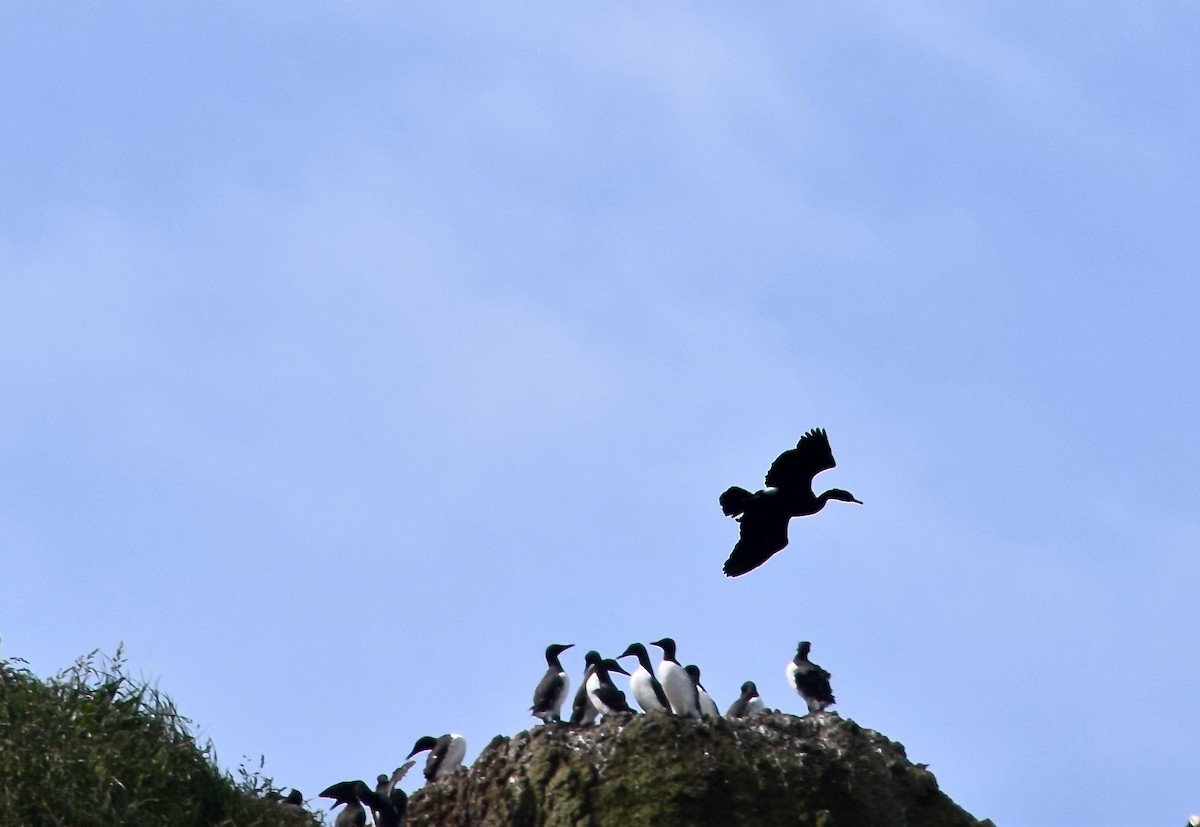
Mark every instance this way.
x=92 y=747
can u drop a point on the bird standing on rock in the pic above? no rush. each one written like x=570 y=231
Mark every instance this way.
x=602 y=692
x=445 y=754
x=810 y=681
x=645 y=687
x=708 y=707
x=764 y=515
x=675 y=681
x=747 y=704
x=552 y=690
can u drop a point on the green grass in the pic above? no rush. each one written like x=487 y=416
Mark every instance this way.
x=92 y=747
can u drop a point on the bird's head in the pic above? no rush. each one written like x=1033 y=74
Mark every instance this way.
x=749 y=689
x=423 y=743
x=612 y=666
x=668 y=647
x=693 y=672
x=635 y=650
x=840 y=494
x=803 y=649
x=556 y=649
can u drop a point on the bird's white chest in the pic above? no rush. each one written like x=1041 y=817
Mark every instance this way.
x=642 y=686
x=678 y=688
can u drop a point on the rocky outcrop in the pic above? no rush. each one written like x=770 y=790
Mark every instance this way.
x=773 y=769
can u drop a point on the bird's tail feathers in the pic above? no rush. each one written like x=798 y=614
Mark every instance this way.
x=733 y=501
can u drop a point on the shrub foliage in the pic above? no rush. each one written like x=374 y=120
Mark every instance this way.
x=92 y=747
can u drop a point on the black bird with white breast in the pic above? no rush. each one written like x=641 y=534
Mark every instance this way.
x=645 y=687
x=764 y=515
x=810 y=681
x=675 y=681
x=747 y=704
x=552 y=689
x=708 y=707
x=583 y=711
x=602 y=692
x=445 y=754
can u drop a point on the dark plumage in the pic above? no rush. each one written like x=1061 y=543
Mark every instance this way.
x=708 y=707
x=810 y=681
x=764 y=515
x=552 y=689
x=583 y=711
x=353 y=794
x=445 y=754
x=603 y=692
x=392 y=806
x=747 y=704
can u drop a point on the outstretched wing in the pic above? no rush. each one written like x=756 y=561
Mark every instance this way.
x=797 y=467
x=760 y=536
x=398 y=774
x=342 y=792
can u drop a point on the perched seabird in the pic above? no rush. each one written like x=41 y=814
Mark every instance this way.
x=747 y=704
x=810 y=681
x=583 y=711
x=392 y=806
x=764 y=515
x=675 y=682
x=353 y=794
x=602 y=692
x=552 y=689
x=707 y=707
x=445 y=754
x=645 y=687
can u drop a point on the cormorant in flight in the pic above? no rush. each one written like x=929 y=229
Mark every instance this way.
x=764 y=515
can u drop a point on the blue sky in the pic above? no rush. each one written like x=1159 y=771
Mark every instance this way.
x=353 y=352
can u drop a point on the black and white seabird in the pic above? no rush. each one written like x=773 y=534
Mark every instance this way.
x=353 y=794
x=552 y=689
x=810 y=681
x=583 y=711
x=645 y=687
x=445 y=754
x=764 y=515
x=707 y=707
x=602 y=692
x=747 y=704
x=675 y=682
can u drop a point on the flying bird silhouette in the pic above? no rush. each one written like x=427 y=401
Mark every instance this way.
x=764 y=515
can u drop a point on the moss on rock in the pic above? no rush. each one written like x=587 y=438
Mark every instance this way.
x=775 y=769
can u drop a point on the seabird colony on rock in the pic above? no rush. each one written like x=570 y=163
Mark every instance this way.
x=764 y=515
x=665 y=692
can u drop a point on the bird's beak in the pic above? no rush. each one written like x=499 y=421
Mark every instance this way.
x=860 y=502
